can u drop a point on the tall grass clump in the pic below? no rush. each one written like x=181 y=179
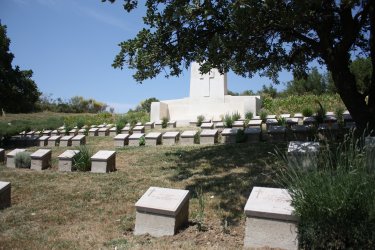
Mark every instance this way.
x=164 y=122
x=82 y=160
x=22 y=160
x=228 y=121
x=334 y=198
x=307 y=112
x=249 y=115
x=263 y=115
x=320 y=113
x=339 y=112
x=200 y=119
x=236 y=116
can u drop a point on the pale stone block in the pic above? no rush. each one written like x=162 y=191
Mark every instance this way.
x=138 y=124
x=41 y=159
x=103 y=161
x=2 y=155
x=270 y=221
x=219 y=126
x=158 y=124
x=171 y=138
x=276 y=133
x=285 y=116
x=121 y=140
x=5 y=194
x=73 y=132
x=255 y=123
x=93 y=126
x=30 y=133
x=55 y=132
x=153 y=139
x=10 y=157
x=253 y=134
x=61 y=128
x=188 y=137
x=238 y=124
x=113 y=131
x=79 y=140
x=228 y=135
x=66 y=141
x=271 y=117
x=54 y=140
x=330 y=119
x=47 y=132
x=309 y=120
x=101 y=126
x=171 y=124
x=207 y=125
x=209 y=136
x=347 y=118
x=291 y=121
x=139 y=129
x=66 y=160
x=193 y=123
x=93 y=131
x=126 y=130
x=256 y=117
x=149 y=125
x=298 y=115
x=81 y=131
x=104 y=131
x=134 y=139
x=330 y=113
x=303 y=154
x=43 y=140
x=161 y=211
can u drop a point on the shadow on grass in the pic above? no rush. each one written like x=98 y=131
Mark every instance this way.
x=229 y=172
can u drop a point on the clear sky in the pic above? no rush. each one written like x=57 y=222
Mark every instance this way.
x=70 y=46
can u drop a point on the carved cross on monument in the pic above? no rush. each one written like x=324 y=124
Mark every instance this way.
x=206 y=82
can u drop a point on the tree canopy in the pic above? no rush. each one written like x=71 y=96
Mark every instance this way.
x=250 y=36
x=18 y=92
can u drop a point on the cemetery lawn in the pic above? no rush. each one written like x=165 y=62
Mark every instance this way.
x=54 y=210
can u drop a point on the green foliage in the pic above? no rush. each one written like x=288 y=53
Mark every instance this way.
x=362 y=70
x=22 y=160
x=200 y=217
x=281 y=121
x=249 y=115
x=82 y=160
x=263 y=115
x=339 y=112
x=142 y=141
x=320 y=113
x=80 y=122
x=240 y=136
x=164 y=122
x=200 y=119
x=145 y=105
x=18 y=92
x=314 y=83
x=76 y=104
x=307 y=112
x=236 y=116
x=334 y=199
x=120 y=123
x=228 y=121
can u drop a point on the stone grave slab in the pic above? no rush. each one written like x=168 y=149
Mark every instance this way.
x=47 y=132
x=43 y=140
x=93 y=126
x=101 y=126
x=300 y=132
x=103 y=161
x=153 y=138
x=81 y=131
x=161 y=211
x=55 y=132
x=207 y=125
x=171 y=124
x=66 y=141
x=73 y=132
x=30 y=133
x=370 y=151
x=134 y=139
x=139 y=129
x=158 y=124
x=219 y=126
x=2 y=155
x=5 y=194
x=188 y=137
x=255 y=123
x=285 y=116
x=228 y=135
x=291 y=121
x=271 y=117
x=238 y=124
x=138 y=124
x=66 y=160
x=330 y=113
x=41 y=159
x=276 y=133
x=126 y=130
x=330 y=119
x=298 y=115
x=209 y=136
x=104 y=131
x=303 y=154
x=10 y=157
x=253 y=134
x=54 y=140
x=149 y=125
x=113 y=131
x=271 y=122
x=121 y=140
x=93 y=131
x=193 y=123
x=309 y=120
x=269 y=220
x=79 y=140
x=171 y=138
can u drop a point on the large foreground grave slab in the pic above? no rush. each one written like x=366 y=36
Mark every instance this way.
x=303 y=154
x=121 y=140
x=153 y=139
x=103 y=161
x=66 y=141
x=10 y=157
x=5 y=194
x=188 y=137
x=41 y=159
x=161 y=211
x=171 y=138
x=79 y=140
x=269 y=219
x=208 y=136
x=66 y=160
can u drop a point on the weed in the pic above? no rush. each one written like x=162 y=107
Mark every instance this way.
x=320 y=113
x=236 y=116
x=307 y=112
x=263 y=115
x=22 y=160
x=165 y=121
x=82 y=160
x=200 y=217
x=240 y=136
x=200 y=119
x=249 y=115
x=228 y=121
x=142 y=141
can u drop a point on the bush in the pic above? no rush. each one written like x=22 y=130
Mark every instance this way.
x=164 y=122
x=236 y=116
x=142 y=141
x=335 y=199
x=263 y=115
x=80 y=123
x=281 y=121
x=249 y=115
x=82 y=160
x=228 y=121
x=22 y=160
x=307 y=112
x=200 y=119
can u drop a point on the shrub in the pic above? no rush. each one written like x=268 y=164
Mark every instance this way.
x=307 y=112
x=142 y=141
x=339 y=112
x=80 y=123
x=263 y=115
x=120 y=123
x=335 y=199
x=236 y=116
x=240 y=136
x=249 y=115
x=320 y=113
x=228 y=121
x=281 y=121
x=200 y=119
x=82 y=160
x=22 y=160
x=164 y=122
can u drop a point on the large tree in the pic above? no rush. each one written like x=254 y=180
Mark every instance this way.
x=248 y=36
x=18 y=92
